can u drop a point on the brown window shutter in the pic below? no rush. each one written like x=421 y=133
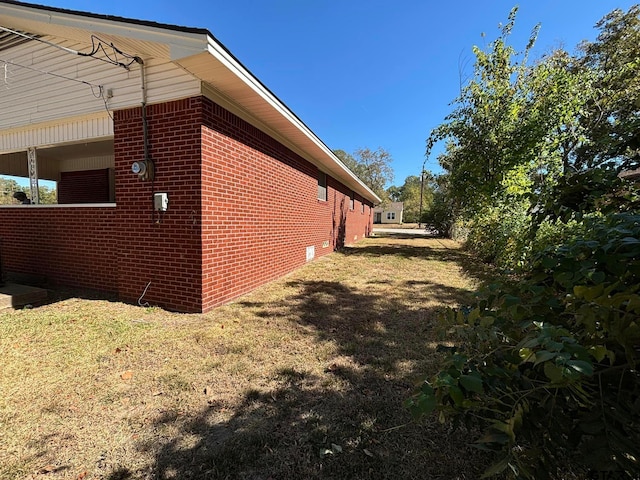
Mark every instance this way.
x=84 y=186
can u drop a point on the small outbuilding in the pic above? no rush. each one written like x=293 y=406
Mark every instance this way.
x=179 y=175
x=389 y=213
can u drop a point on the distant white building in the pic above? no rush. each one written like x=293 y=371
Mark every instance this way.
x=391 y=213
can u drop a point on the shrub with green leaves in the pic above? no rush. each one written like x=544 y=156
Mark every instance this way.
x=498 y=234
x=439 y=214
x=547 y=367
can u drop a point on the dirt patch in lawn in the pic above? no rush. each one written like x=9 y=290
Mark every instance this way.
x=303 y=378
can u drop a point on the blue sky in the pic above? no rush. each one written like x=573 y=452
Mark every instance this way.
x=367 y=73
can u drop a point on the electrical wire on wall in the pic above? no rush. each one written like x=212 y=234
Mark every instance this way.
x=144 y=292
x=98 y=91
x=97 y=45
x=110 y=54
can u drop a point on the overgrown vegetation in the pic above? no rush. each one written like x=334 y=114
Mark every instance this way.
x=547 y=363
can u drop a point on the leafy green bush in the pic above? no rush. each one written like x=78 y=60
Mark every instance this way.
x=439 y=214
x=498 y=234
x=552 y=233
x=548 y=367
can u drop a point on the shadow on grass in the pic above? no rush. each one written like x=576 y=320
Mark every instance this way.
x=440 y=252
x=347 y=423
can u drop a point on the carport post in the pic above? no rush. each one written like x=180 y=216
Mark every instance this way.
x=32 y=159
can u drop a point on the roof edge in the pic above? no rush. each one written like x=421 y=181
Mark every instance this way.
x=114 y=18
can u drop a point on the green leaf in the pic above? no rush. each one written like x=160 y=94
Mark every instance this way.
x=496 y=468
x=633 y=305
x=472 y=383
x=581 y=366
x=597 y=277
x=510 y=300
x=458 y=361
x=543 y=356
x=526 y=354
x=553 y=372
x=588 y=293
x=598 y=352
x=564 y=278
x=445 y=379
x=474 y=315
x=456 y=395
x=425 y=404
x=630 y=241
x=487 y=321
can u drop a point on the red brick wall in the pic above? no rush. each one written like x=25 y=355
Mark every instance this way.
x=260 y=208
x=164 y=251
x=242 y=211
x=67 y=246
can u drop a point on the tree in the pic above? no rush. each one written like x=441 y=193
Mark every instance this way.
x=612 y=118
x=373 y=167
x=395 y=193
x=409 y=194
x=346 y=158
x=484 y=137
x=437 y=212
x=48 y=196
x=8 y=187
x=514 y=132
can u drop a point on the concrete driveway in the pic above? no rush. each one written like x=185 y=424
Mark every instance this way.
x=404 y=231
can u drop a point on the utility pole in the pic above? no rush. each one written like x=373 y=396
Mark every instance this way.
x=421 y=190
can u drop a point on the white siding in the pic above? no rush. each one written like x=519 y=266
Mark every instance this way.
x=30 y=96
x=67 y=131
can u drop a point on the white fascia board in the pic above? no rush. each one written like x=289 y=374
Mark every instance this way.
x=217 y=51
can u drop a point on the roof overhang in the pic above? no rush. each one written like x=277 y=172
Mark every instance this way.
x=201 y=54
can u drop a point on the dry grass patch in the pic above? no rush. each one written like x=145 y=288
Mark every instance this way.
x=303 y=378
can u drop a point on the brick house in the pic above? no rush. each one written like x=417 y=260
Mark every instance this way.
x=179 y=174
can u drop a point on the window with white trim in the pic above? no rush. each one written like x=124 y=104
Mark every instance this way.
x=391 y=215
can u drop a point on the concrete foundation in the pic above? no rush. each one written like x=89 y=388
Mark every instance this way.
x=13 y=295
